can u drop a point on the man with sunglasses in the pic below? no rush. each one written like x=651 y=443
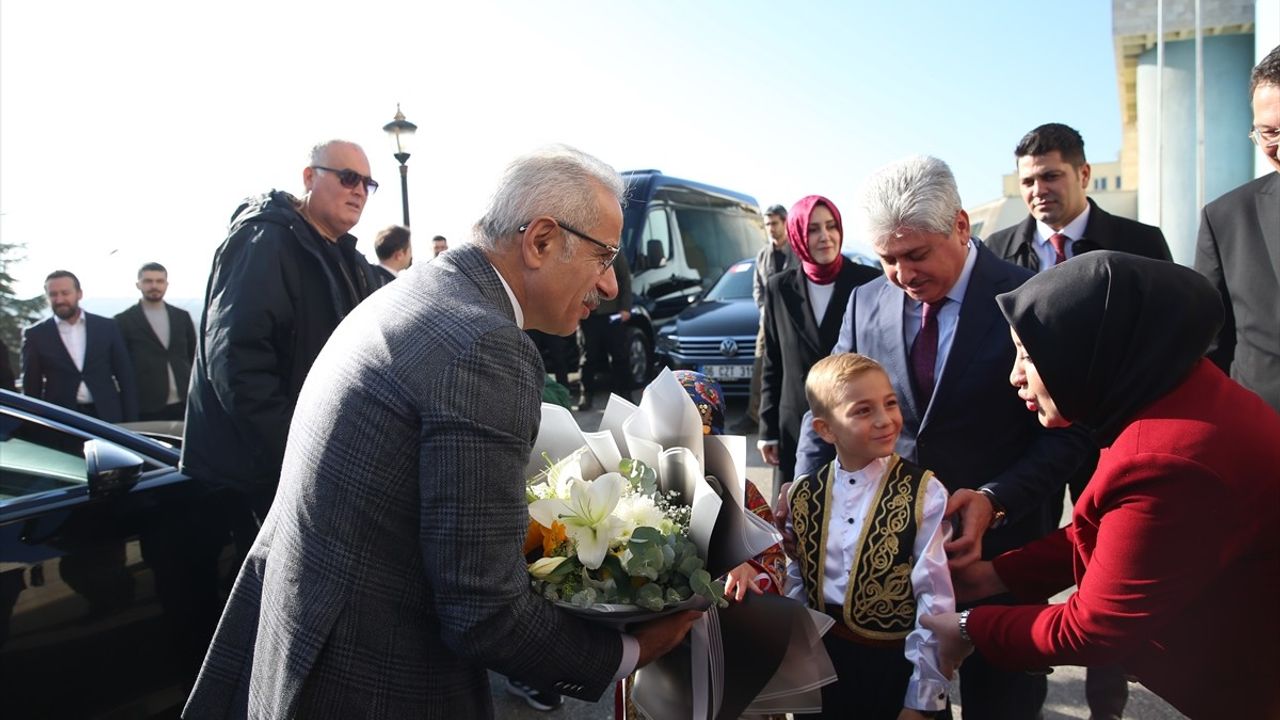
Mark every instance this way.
x=1239 y=251
x=284 y=278
x=389 y=574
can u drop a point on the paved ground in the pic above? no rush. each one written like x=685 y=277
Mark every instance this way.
x=1066 y=684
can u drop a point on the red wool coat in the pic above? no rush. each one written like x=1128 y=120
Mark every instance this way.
x=1175 y=547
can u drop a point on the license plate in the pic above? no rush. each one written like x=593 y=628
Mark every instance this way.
x=727 y=372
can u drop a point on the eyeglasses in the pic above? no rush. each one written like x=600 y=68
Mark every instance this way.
x=1263 y=138
x=351 y=178
x=606 y=261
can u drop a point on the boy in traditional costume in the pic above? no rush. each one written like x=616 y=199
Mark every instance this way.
x=869 y=532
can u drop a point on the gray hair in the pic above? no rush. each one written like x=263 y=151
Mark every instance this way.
x=555 y=180
x=320 y=151
x=916 y=193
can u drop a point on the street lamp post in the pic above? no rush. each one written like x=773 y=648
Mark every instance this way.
x=401 y=131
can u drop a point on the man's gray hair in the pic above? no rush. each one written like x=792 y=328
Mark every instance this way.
x=917 y=193
x=556 y=180
x=320 y=151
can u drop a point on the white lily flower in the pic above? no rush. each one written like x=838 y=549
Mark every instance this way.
x=542 y=567
x=587 y=515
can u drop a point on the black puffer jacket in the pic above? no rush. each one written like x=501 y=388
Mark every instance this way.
x=271 y=303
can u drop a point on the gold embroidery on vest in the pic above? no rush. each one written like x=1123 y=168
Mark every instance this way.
x=810 y=507
x=879 y=601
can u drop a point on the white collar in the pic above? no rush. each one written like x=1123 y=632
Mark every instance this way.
x=515 y=304
x=394 y=272
x=1073 y=230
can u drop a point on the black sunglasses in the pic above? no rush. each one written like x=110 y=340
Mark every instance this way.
x=605 y=261
x=351 y=178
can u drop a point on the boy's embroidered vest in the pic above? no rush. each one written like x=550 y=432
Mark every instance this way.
x=879 y=603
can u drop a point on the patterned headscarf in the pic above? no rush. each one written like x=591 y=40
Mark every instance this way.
x=798 y=234
x=707 y=397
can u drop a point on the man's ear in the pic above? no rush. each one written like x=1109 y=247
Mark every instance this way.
x=1086 y=172
x=308 y=177
x=537 y=242
x=821 y=427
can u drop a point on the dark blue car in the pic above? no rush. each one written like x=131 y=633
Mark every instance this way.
x=114 y=566
x=717 y=335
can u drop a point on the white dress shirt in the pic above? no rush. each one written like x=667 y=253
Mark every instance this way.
x=1073 y=230
x=74 y=340
x=948 y=316
x=851 y=496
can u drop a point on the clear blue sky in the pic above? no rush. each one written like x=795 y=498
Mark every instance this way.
x=130 y=130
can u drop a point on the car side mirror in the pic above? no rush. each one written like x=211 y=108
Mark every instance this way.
x=654 y=255
x=111 y=469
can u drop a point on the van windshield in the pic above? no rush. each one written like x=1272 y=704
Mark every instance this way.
x=735 y=284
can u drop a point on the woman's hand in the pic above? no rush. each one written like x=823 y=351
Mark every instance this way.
x=976 y=581
x=739 y=580
x=952 y=649
x=781 y=512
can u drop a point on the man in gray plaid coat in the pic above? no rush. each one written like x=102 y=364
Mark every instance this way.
x=388 y=574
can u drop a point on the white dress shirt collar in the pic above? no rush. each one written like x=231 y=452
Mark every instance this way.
x=1074 y=230
x=515 y=304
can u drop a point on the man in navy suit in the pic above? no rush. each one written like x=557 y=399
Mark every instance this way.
x=78 y=360
x=933 y=323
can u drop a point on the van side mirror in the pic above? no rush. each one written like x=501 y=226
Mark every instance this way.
x=654 y=255
x=111 y=469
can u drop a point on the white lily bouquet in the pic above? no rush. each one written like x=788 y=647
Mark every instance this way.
x=641 y=519
x=613 y=540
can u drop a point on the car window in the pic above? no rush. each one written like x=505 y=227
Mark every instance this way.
x=735 y=284
x=717 y=237
x=656 y=228
x=35 y=458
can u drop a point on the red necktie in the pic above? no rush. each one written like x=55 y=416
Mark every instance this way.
x=924 y=353
x=1059 y=242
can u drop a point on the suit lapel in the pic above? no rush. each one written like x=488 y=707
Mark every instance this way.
x=978 y=313
x=55 y=339
x=890 y=336
x=1268 y=209
x=795 y=296
x=139 y=318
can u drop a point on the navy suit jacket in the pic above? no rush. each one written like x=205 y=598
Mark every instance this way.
x=975 y=431
x=49 y=373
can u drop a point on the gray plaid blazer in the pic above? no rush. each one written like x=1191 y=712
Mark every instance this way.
x=388 y=574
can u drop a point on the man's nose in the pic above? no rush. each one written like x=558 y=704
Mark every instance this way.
x=608 y=284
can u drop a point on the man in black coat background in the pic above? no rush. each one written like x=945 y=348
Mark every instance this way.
x=284 y=278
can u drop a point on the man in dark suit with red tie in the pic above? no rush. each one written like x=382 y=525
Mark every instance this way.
x=1054 y=175
x=78 y=360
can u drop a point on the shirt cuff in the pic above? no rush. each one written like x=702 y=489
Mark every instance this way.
x=762 y=444
x=630 y=656
x=926 y=695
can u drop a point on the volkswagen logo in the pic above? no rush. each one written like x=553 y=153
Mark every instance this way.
x=729 y=347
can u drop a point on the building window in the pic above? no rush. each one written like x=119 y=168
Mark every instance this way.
x=1100 y=184
x=1117 y=182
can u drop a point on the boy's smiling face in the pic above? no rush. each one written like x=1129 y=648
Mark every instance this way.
x=864 y=422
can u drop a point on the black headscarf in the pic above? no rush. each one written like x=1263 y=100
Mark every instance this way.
x=1110 y=333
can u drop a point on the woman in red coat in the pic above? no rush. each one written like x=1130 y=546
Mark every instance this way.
x=1174 y=545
